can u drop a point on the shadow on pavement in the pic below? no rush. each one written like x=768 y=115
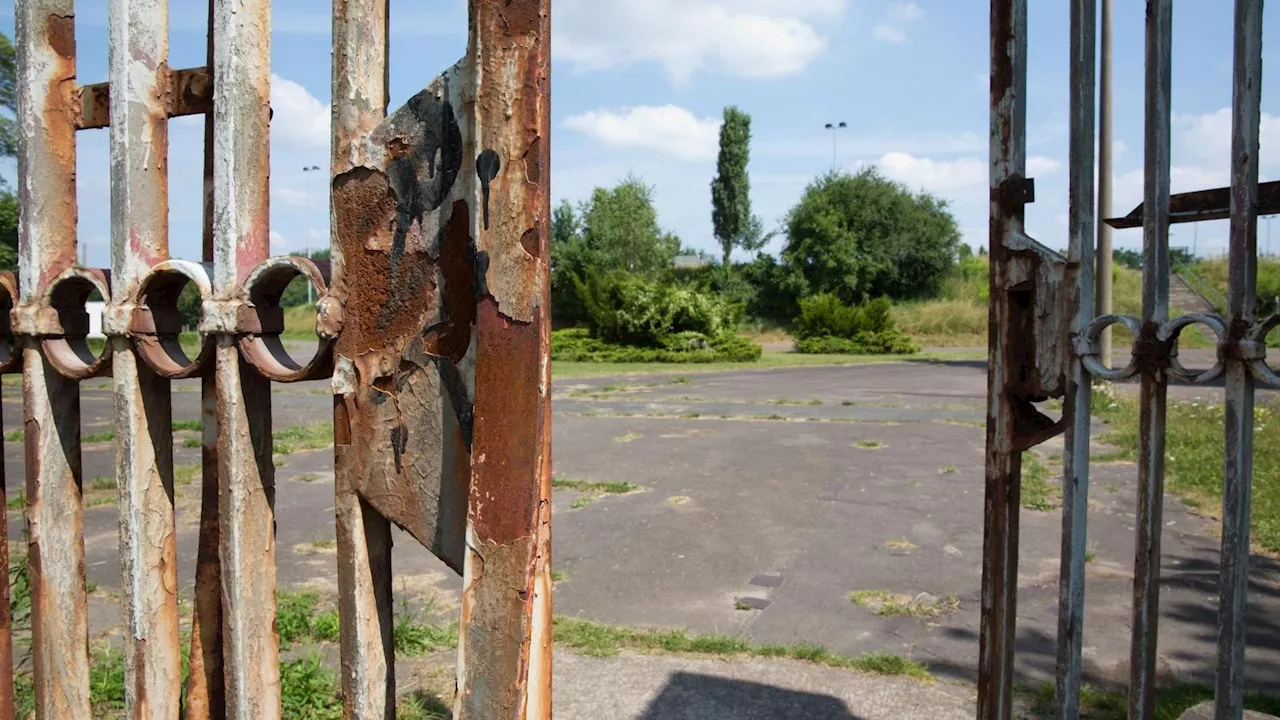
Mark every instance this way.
x=690 y=696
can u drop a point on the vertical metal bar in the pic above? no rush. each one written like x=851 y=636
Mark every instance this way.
x=138 y=61
x=6 y=618
x=206 y=690
x=360 y=92
x=1004 y=459
x=1246 y=118
x=1104 y=255
x=504 y=667
x=1078 y=402
x=1154 y=362
x=45 y=33
x=242 y=87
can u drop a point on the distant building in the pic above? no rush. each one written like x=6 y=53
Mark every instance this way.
x=95 y=309
x=692 y=262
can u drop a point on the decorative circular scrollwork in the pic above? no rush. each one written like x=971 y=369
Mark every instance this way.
x=1088 y=347
x=261 y=345
x=155 y=324
x=10 y=357
x=67 y=348
x=1262 y=371
x=1170 y=331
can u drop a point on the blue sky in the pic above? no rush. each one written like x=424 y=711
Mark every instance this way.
x=639 y=86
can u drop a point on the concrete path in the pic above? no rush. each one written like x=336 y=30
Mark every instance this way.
x=765 y=499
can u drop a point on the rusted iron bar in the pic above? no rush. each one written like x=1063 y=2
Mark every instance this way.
x=179 y=93
x=1003 y=457
x=45 y=34
x=1153 y=354
x=1233 y=588
x=241 y=71
x=138 y=50
x=505 y=637
x=1077 y=406
x=206 y=688
x=1203 y=205
x=8 y=363
x=360 y=95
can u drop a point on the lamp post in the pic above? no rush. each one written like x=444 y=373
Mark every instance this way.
x=309 y=169
x=834 y=127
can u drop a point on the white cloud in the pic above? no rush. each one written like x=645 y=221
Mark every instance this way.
x=904 y=12
x=298 y=118
x=744 y=38
x=897 y=17
x=936 y=175
x=888 y=33
x=667 y=129
x=1041 y=165
x=291 y=197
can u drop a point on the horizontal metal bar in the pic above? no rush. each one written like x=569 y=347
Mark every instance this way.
x=190 y=92
x=1204 y=205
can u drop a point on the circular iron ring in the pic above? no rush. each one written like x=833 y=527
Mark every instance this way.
x=262 y=346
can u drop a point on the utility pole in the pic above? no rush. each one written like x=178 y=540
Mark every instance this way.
x=1103 y=299
x=834 y=128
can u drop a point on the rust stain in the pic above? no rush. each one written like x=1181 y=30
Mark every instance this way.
x=452 y=336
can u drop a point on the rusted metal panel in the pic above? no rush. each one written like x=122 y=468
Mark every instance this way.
x=241 y=70
x=138 y=50
x=1077 y=404
x=1152 y=354
x=45 y=34
x=179 y=92
x=505 y=638
x=1246 y=118
x=363 y=535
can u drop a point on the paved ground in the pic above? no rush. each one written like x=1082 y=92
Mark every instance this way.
x=781 y=490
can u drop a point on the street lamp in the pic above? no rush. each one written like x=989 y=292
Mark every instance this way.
x=834 y=127
x=309 y=169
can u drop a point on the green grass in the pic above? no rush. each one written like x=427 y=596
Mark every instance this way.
x=413 y=638
x=14 y=435
x=1194 y=456
x=303 y=437
x=768 y=360
x=789 y=401
x=192 y=442
x=598 y=640
x=308 y=690
x=104 y=436
x=17 y=502
x=596 y=488
x=1037 y=493
x=868 y=445
x=186 y=474
x=1171 y=701
x=187 y=425
x=889 y=604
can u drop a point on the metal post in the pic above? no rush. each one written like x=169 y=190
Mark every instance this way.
x=241 y=72
x=1246 y=118
x=1078 y=403
x=1154 y=367
x=1003 y=456
x=138 y=53
x=45 y=34
x=1105 y=254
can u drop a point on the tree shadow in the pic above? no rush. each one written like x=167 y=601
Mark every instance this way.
x=690 y=696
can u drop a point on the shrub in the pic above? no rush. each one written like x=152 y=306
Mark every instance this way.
x=827 y=325
x=578 y=345
x=631 y=310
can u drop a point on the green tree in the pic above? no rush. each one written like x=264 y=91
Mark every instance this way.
x=863 y=236
x=8 y=148
x=569 y=259
x=620 y=230
x=731 y=216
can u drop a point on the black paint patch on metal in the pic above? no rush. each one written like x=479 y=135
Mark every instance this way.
x=487 y=167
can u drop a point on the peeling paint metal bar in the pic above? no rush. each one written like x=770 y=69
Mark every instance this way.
x=138 y=53
x=1246 y=118
x=1203 y=205
x=363 y=535
x=241 y=70
x=181 y=93
x=1152 y=353
x=504 y=651
x=1003 y=458
x=45 y=34
x=1078 y=403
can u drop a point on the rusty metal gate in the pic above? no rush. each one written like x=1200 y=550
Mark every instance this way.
x=433 y=319
x=1045 y=343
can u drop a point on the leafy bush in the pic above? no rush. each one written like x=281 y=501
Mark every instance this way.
x=827 y=325
x=578 y=345
x=631 y=310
